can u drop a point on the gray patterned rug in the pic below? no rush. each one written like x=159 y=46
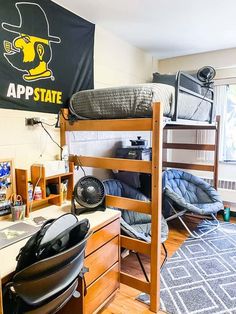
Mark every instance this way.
x=201 y=275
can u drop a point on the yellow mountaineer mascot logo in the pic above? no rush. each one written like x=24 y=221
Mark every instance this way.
x=31 y=50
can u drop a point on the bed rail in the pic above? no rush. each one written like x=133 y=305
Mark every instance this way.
x=180 y=89
x=140 y=124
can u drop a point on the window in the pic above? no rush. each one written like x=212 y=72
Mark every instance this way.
x=225 y=106
x=229 y=125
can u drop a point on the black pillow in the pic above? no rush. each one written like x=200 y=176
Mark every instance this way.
x=168 y=79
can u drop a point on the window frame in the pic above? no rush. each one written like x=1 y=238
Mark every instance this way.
x=220 y=82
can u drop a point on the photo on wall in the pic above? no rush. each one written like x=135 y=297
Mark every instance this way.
x=7 y=185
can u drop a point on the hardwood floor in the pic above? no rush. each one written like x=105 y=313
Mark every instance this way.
x=124 y=301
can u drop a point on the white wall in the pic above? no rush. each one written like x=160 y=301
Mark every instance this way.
x=26 y=145
x=115 y=63
x=223 y=60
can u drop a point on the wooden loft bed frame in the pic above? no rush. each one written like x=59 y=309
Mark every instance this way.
x=154 y=167
x=154 y=124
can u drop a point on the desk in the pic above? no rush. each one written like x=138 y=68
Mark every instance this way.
x=102 y=256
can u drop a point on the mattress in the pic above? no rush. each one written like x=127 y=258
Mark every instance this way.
x=136 y=102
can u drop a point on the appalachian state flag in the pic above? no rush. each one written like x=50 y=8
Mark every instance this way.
x=46 y=55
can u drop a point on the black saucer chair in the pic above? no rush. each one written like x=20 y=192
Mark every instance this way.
x=47 y=285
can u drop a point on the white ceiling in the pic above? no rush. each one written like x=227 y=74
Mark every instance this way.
x=164 y=28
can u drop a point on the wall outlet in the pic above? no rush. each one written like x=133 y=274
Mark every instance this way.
x=32 y=121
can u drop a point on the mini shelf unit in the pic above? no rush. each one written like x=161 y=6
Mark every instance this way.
x=154 y=167
x=38 y=177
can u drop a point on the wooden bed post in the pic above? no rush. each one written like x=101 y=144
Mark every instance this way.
x=63 y=126
x=216 y=155
x=156 y=207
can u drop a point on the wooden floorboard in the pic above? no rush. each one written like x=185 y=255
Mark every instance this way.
x=124 y=301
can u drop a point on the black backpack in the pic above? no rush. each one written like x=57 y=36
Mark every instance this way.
x=55 y=236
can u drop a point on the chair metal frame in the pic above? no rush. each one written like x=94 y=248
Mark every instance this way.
x=179 y=214
x=142 y=266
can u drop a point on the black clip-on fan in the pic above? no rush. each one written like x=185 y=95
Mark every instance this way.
x=89 y=192
x=206 y=75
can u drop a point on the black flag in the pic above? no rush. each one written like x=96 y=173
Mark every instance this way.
x=46 y=54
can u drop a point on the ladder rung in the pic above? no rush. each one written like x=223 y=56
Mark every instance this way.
x=180 y=165
x=128 y=204
x=135 y=245
x=135 y=283
x=116 y=163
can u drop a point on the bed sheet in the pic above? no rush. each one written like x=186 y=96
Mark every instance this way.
x=136 y=102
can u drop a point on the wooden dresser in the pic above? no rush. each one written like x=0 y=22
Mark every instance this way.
x=103 y=260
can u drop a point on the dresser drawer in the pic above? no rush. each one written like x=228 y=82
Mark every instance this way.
x=101 y=289
x=102 y=236
x=101 y=260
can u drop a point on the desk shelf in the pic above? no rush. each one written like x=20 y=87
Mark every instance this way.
x=37 y=203
x=38 y=177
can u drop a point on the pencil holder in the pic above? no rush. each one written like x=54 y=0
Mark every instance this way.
x=18 y=212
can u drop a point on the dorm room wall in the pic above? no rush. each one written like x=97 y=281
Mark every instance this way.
x=115 y=63
x=26 y=145
x=225 y=64
x=223 y=60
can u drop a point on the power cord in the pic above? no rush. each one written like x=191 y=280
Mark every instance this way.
x=34 y=122
x=62 y=113
x=203 y=98
x=42 y=125
x=54 y=124
x=80 y=165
